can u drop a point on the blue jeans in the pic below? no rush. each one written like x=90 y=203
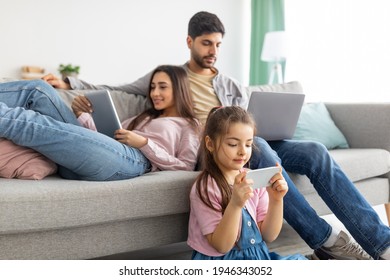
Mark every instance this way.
x=32 y=114
x=336 y=190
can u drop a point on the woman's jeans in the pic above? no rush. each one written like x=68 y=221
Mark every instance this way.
x=336 y=190
x=32 y=114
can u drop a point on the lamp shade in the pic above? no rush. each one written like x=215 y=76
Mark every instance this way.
x=274 y=46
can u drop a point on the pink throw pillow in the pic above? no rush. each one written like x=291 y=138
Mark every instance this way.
x=23 y=163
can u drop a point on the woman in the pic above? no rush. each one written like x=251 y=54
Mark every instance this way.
x=164 y=137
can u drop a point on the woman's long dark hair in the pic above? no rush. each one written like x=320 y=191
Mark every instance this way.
x=181 y=94
x=217 y=126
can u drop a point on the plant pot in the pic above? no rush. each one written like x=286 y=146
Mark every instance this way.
x=69 y=74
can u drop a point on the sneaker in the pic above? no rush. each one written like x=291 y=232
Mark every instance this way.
x=344 y=249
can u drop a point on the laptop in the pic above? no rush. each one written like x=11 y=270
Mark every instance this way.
x=276 y=114
x=104 y=113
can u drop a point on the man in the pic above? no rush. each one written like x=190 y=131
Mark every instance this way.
x=210 y=89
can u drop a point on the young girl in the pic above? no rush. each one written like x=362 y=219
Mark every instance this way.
x=229 y=219
x=165 y=137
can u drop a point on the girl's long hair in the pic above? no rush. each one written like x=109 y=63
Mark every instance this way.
x=181 y=94
x=217 y=126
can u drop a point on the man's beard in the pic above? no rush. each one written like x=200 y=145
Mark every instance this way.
x=201 y=63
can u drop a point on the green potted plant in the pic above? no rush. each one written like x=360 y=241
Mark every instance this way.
x=68 y=70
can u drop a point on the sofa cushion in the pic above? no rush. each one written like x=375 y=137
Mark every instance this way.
x=293 y=86
x=23 y=163
x=316 y=124
x=55 y=203
x=360 y=164
x=357 y=164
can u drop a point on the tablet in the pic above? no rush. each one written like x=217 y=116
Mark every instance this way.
x=104 y=113
x=262 y=176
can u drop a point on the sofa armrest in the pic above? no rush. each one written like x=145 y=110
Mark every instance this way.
x=364 y=125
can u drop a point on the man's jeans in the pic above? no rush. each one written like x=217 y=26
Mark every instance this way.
x=336 y=190
x=32 y=114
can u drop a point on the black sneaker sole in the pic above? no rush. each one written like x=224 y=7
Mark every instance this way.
x=322 y=255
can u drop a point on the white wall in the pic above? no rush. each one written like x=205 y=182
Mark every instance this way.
x=340 y=49
x=115 y=41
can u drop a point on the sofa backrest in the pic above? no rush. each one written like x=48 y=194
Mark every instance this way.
x=293 y=87
x=129 y=105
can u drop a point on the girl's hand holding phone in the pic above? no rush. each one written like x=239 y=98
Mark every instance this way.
x=279 y=187
x=242 y=190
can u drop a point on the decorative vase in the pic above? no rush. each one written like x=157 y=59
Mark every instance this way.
x=69 y=74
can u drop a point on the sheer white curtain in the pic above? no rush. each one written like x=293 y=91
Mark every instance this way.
x=339 y=49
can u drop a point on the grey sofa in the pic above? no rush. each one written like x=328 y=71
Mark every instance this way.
x=62 y=219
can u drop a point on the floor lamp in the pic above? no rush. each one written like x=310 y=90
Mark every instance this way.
x=274 y=50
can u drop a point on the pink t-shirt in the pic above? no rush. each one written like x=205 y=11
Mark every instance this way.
x=172 y=142
x=204 y=220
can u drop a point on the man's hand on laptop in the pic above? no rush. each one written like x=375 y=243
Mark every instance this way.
x=56 y=82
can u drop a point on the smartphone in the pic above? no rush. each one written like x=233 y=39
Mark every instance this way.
x=262 y=176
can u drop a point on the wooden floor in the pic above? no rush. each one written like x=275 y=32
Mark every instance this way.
x=288 y=242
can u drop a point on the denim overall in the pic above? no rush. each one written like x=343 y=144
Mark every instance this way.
x=250 y=246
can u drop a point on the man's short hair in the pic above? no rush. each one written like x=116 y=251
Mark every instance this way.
x=204 y=23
